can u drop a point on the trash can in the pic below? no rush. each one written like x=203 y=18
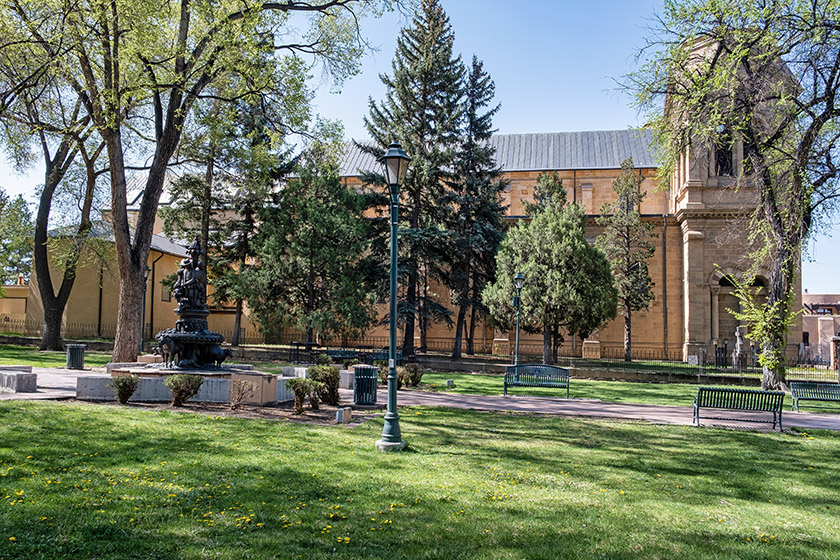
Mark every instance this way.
x=76 y=356
x=364 y=384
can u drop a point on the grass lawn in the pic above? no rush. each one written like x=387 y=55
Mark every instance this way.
x=676 y=394
x=92 y=481
x=30 y=356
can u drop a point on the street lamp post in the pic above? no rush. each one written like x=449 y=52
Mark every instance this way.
x=395 y=163
x=518 y=281
x=143 y=315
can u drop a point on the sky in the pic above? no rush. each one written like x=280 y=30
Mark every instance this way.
x=555 y=64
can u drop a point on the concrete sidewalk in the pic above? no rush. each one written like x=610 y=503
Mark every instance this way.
x=60 y=383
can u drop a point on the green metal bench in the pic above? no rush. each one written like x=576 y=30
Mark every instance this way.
x=341 y=355
x=810 y=391
x=747 y=400
x=537 y=375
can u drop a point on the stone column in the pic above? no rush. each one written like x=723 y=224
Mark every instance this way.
x=695 y=319
x=715 y=312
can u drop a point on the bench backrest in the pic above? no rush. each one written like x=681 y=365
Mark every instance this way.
x=537 y=372
x=810 y=390
x=742 y=399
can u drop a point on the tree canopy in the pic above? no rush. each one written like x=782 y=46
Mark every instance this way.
x=138 y=67
x=762 y=75
x=568 y=286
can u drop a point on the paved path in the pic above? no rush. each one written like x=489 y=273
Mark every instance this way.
x=60 y=383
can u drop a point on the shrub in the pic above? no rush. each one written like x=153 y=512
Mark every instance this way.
x=348 y=363
x=240 y=391
x=413 y=374
x=315 y=388
x=124 y=386
x=183 y=386
x=323 y=359
x=330 y=377
x=383 y=375
x=303 y=388
x=300 y=387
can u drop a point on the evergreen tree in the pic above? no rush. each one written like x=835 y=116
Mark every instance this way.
x=315 y=270
x=237 y=147
x=473 y=204
x=422 y=110
x=625 y=242
x=568 y=285
x=17 y=229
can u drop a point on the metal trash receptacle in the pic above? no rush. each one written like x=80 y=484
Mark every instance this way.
x=364 y=384
x=76 y=356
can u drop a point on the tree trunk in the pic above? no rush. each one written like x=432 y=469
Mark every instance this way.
x=410 y=303
x=51 y=335
x=459 y=332
x=547 y=331
x=628 y=353
x=471 y=332
x=778 y=302
x=237 y=323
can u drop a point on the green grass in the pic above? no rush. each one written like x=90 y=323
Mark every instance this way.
x=88 y=481
x=675 y=394
x=30 y=356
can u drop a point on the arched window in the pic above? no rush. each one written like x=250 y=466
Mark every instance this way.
x=723 y=153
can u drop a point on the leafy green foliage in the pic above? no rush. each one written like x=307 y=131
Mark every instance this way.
x=568 y=285
x=124 y=386
x=625 y=242
x=753 y=76
x=329 y=377
x=17 y=230
x=184 y=386
x=315 y=270
x=473 y=211
x=422 y=109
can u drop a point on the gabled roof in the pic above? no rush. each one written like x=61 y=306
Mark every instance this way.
x=552 y=151
x=105 y=231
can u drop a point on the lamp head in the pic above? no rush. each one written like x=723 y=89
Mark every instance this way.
x=519 y=281
x=395 y=162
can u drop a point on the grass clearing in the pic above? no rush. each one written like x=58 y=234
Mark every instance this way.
x=675 y=394
x=85 y=481
x=11 y=355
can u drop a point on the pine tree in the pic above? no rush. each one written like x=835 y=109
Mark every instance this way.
x=568 y=286
x=422 y=110
x=625 y=242
x=473 y=204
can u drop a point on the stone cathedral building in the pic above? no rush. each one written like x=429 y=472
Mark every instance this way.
x=700 y=220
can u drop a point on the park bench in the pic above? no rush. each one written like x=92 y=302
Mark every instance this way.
x=382 y=355
x=537 y=375
x=746 y=400
x=810 y=391
x=340 y=355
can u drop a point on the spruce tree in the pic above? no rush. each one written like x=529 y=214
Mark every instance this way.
x=422 y=110
x=626 y=243
x=473 y=204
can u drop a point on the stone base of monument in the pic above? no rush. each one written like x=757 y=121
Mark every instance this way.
x=216 y=387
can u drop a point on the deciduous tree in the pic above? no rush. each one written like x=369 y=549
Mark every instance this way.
x=764 y=75
x=138 y=68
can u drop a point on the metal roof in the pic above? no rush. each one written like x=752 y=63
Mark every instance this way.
x=551 y=151
x=105 y=231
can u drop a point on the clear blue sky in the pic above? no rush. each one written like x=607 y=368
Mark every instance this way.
x=554 y=64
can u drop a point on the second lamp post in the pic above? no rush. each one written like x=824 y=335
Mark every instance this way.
x=396 y=164
x=518 y=282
